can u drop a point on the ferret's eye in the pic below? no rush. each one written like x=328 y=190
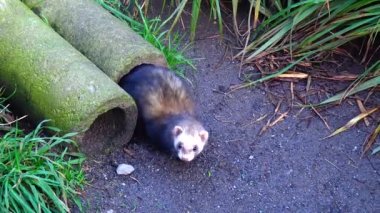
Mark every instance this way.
x=179 y=146
x=195 y=148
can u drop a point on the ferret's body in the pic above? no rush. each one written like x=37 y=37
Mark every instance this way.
x=166 y=111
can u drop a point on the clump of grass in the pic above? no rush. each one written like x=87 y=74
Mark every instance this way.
x=33 y=177
x=214 y=5
x=215 y=13
x=36 y=173
x=311 y=28
x=152 y=30
x=370 y=78
x=304 y=26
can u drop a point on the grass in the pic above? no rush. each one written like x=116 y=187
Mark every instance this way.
x=368 y=79
x=215 y=12
x=311 y=28
x=314 y=25
x=153 y=31
x=37 y=174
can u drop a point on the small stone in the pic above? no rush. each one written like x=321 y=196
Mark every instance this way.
x=251 y=157
x=110 y=211
x=124 y=169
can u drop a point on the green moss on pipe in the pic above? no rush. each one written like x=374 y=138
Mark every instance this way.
x=105 y=40
x=52 y=79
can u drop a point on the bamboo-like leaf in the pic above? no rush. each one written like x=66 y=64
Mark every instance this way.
x=272 y=41
x=376 y=150
x=363 y=86
x=177 y=11
x=371 y=139
x=256 y=14
x=318 y=25
x=341 y=32
x=352 y=122
x=283 y=70
x=234 y=16
x=278 y=5
x=194 y=18
x=219 y=16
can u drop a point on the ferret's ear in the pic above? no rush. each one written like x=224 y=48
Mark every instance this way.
x=177 y=130
x=204 y=136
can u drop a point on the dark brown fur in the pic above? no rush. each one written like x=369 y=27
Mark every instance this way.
x=170 y=99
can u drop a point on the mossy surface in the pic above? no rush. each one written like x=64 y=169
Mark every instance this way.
x=52 y=79
x=105 y=40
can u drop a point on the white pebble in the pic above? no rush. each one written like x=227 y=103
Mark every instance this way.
x=110 y=211
x=124 y=169
x=251 y=157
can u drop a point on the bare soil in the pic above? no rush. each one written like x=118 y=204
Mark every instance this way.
x=288 y=168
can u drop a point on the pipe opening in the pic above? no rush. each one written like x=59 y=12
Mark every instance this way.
x=109 y=131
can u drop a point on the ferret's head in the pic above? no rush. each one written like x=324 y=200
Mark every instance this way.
x=189 y=141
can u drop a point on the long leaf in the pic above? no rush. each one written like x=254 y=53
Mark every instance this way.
x=363 y=86
x=194 y=18
x=20 y=200
x=352 y=122
x=376 y=150
x=283 y=70
x=371 y=139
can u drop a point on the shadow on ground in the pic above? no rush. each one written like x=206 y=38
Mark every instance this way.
x=288 y=168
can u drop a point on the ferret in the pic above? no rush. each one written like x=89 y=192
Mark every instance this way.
x=165 y=111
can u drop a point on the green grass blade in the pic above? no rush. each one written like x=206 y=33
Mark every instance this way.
x=194 y=18
x=32 y=199
x=363 y=86
x=341 y=32
x=178 y=11
x=52 y=196
x=20 y=200
x=219 y=16
x=39 y=198
x=271 y=42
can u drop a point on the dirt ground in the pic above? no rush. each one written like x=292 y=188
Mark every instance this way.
x=288 y=168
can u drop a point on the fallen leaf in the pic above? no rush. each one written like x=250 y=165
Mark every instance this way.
x=293 y=74
x=362 y=110
x=352 y=122
x=371 y=139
